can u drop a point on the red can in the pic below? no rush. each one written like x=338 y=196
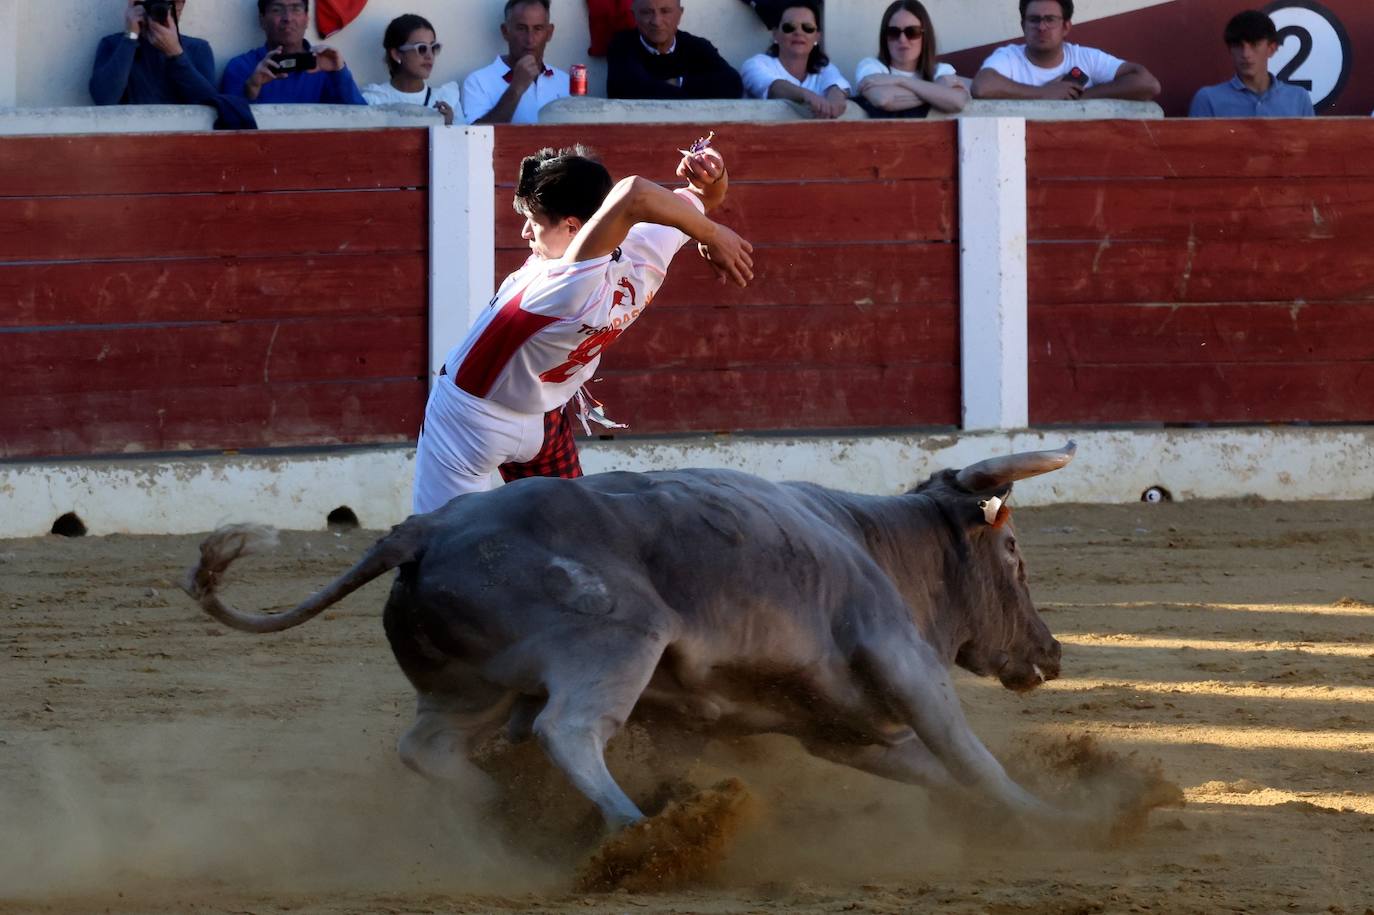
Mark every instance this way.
x=577 y=79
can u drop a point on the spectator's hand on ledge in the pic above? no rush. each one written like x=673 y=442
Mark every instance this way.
x=1060 y=90
x=164 y=38
x=133 y=18
x=728 y=255
x=446 y=110
x=328 y=60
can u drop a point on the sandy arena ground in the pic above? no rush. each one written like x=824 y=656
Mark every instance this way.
x=151 y=761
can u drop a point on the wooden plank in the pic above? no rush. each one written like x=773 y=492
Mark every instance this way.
x=94 y=228
x=860 y=275
x=1340 y=392
x=1118 y=335
x=781 y=399
x=1280 y=149
x=728 y=337
x=89 y=423
x=135 y=292
x=818 y=212
x=1201 y=209
x=1110 y=271
x=157 y=357
x=233 y=162
x=848 y=150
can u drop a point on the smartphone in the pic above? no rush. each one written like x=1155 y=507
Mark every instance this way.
x=1076 y=75
x=295 y=63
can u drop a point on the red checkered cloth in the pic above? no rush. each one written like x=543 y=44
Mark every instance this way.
x=557 y=457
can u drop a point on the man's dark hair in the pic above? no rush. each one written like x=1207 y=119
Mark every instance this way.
x=1065 y=9
x=561 y=183
x=512 y=4
x=1249 y=26
x=263 y=4
x=397 y=31
x=817 y=59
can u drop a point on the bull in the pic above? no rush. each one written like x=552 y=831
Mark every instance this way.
x=705 y=599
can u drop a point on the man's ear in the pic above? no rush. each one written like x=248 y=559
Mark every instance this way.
x=572 y=224
x=550 y=38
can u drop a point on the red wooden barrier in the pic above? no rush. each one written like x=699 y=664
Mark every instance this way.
x=209 y=292
x=852 y=321
x=1212 y=271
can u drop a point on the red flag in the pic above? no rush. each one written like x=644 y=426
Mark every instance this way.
x=332 y=15
x=604 y=19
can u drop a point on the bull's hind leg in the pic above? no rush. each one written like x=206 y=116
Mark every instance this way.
x=445 y=728
x=909 y=762
x=591 y=694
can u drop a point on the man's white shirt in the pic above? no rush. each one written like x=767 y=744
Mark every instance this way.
x=542 y=336
x=483 y=89
x=1011 y=61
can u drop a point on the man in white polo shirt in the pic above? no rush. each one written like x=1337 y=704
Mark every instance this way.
x=512 y=88
x=1048 y=68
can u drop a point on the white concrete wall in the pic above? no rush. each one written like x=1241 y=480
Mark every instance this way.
x=47 y=46
x=176 y=496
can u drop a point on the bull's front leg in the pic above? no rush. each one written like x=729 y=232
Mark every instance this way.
x=911 y=679
x=909 y=761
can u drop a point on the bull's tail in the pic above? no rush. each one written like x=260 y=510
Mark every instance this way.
x=220 y=549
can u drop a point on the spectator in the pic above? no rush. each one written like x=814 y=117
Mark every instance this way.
x=904 y=80
x=657 y=60
x=254 y=75
x=1047 y=67
x=512 y=88
x=795 y=67
x=1252 y=93
x=151 y=62
x=411 y=49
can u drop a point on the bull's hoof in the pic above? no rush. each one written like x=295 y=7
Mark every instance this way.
x=681 y=845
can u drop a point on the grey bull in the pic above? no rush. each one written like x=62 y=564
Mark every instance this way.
x=706 y=599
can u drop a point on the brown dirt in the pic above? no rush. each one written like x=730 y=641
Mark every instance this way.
x=154 y=762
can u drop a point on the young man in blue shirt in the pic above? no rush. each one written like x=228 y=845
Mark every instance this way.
x=255 y=75
x=1253 y=92
x=151 y=62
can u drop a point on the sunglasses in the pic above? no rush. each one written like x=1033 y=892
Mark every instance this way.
x=912 y=32
x=789 y=27
x=422 y=48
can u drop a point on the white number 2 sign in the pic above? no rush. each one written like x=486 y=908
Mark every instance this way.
x=1314 y=49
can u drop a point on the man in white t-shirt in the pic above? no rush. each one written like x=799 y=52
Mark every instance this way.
x=1048 y=68
x=512 y=88
x=598 y=256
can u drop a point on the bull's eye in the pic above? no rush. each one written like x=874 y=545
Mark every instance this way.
x=1011 y=544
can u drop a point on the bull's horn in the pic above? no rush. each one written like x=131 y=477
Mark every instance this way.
x=997 y=472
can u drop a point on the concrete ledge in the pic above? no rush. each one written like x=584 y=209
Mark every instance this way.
x=191 y=118
x=185 y=495
x=587 y=110
x=1092 y=110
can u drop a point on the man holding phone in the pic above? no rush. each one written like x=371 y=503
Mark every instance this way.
x=1049 y=68
x=150 y=62
x=286 y=69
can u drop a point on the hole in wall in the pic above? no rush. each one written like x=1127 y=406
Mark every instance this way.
x=69 y=525
x=341 y=520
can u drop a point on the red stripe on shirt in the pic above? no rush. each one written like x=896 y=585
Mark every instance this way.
x=506 y=333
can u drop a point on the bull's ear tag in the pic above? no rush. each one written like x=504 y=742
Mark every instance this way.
x=990 y=509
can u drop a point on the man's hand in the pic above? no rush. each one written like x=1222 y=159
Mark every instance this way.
x=702 y=169
x=164 y=38
x=728 y=255
x=328 y=60
x=133 y=17
x=524 y=73
x=265 y=72
x=1060 y=90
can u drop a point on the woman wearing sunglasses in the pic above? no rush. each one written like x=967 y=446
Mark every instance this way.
x=410 y=52
x=905 y=80
x=796 y=67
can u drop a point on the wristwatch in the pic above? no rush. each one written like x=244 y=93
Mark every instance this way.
x=131 y=35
